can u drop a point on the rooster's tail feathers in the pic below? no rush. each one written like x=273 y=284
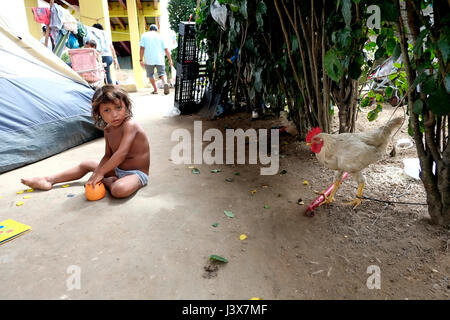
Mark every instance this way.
x=392 y=125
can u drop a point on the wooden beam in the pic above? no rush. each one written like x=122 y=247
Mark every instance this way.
x=124 y=45
x=124 y=6
x=119 y=20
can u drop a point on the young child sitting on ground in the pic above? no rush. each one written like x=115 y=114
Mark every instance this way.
x=125 y=166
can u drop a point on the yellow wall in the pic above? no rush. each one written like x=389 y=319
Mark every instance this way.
x=33 y=26
x=96 y=11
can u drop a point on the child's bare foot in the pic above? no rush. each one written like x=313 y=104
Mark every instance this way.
x=40 y=183
x=109 y=181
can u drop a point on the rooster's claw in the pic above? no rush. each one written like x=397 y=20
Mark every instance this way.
x=355 y=202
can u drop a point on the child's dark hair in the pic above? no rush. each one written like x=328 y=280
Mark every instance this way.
x=91 y=43
x=98 y=26
x=109 y=94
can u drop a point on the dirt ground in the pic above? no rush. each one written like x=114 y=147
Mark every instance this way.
x=157 y=243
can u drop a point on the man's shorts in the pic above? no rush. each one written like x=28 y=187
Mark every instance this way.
x=122 y=173
x=151 y=70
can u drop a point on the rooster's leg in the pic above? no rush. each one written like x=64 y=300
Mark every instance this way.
x=330 y=198
x=357 y=201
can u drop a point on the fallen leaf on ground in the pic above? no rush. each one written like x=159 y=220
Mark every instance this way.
x=195 y=171
x=305 y=182
x=242 y=237
x=256 y=298
x=218 y=258
x=228 y=213
x=27 y=197
x=20 y=192
x=253 y=191
x=215 y=225
x=229 y=179
x=237 y=174
x=19 y=203
x=216 y=170
x=283 y=171
x=65 y=185
x=266 y=206
x=30 y=190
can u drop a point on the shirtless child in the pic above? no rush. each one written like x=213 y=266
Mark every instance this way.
x=125 y=166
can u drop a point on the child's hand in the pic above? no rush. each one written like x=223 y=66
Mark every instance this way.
x=94 y=179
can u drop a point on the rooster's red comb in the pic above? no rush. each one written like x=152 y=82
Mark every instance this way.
x=312 y=133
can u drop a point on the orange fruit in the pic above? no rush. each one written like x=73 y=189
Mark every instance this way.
x=95 y=193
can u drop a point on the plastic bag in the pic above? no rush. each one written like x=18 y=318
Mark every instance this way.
x=173 y=75
x=219 y=13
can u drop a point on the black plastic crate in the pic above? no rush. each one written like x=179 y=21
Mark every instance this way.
x=186 y=29
x=187 y=71
x=189 y=93
x=187 y=50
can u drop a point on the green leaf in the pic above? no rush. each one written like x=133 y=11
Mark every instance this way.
x=228 y=213
x=266 y=206
x=439 y=102
x=447 y=83
x=333 y=66
x=370 y=46
x=389 y=11
x=371 y=94
x=390 y=46
x=215 y=224
x=195 y=171
x=372 y=115
x=243 y=9
x=347 y=11
x=444 y=47
x=365 y=102
x=389 y=91
x=379 y=53
x=259 y=20
x=397 y=52
x=379 y=97
x=261 y=7
x=218 y=258
x=418 y=106
x=283 y=171
x=294 y=44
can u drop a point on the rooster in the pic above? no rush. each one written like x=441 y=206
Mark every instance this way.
x=350 y=152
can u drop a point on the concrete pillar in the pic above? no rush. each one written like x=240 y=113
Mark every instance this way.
x=96 y=11
x=33 y=26
x=134 y=42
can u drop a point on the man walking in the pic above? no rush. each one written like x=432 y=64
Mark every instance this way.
x=152 y=53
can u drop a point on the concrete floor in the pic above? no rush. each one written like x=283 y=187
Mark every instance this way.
x=122 y=249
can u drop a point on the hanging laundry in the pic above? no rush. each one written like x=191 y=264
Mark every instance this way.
x=99 y=37
x=69 y=22
x=41 y=15
x=57 y=17
x=82 y=34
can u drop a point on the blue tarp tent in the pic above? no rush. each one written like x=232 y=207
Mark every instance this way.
x=44 y=106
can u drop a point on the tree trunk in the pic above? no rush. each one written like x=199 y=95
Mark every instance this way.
x=437 y=185
x=346 y=98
